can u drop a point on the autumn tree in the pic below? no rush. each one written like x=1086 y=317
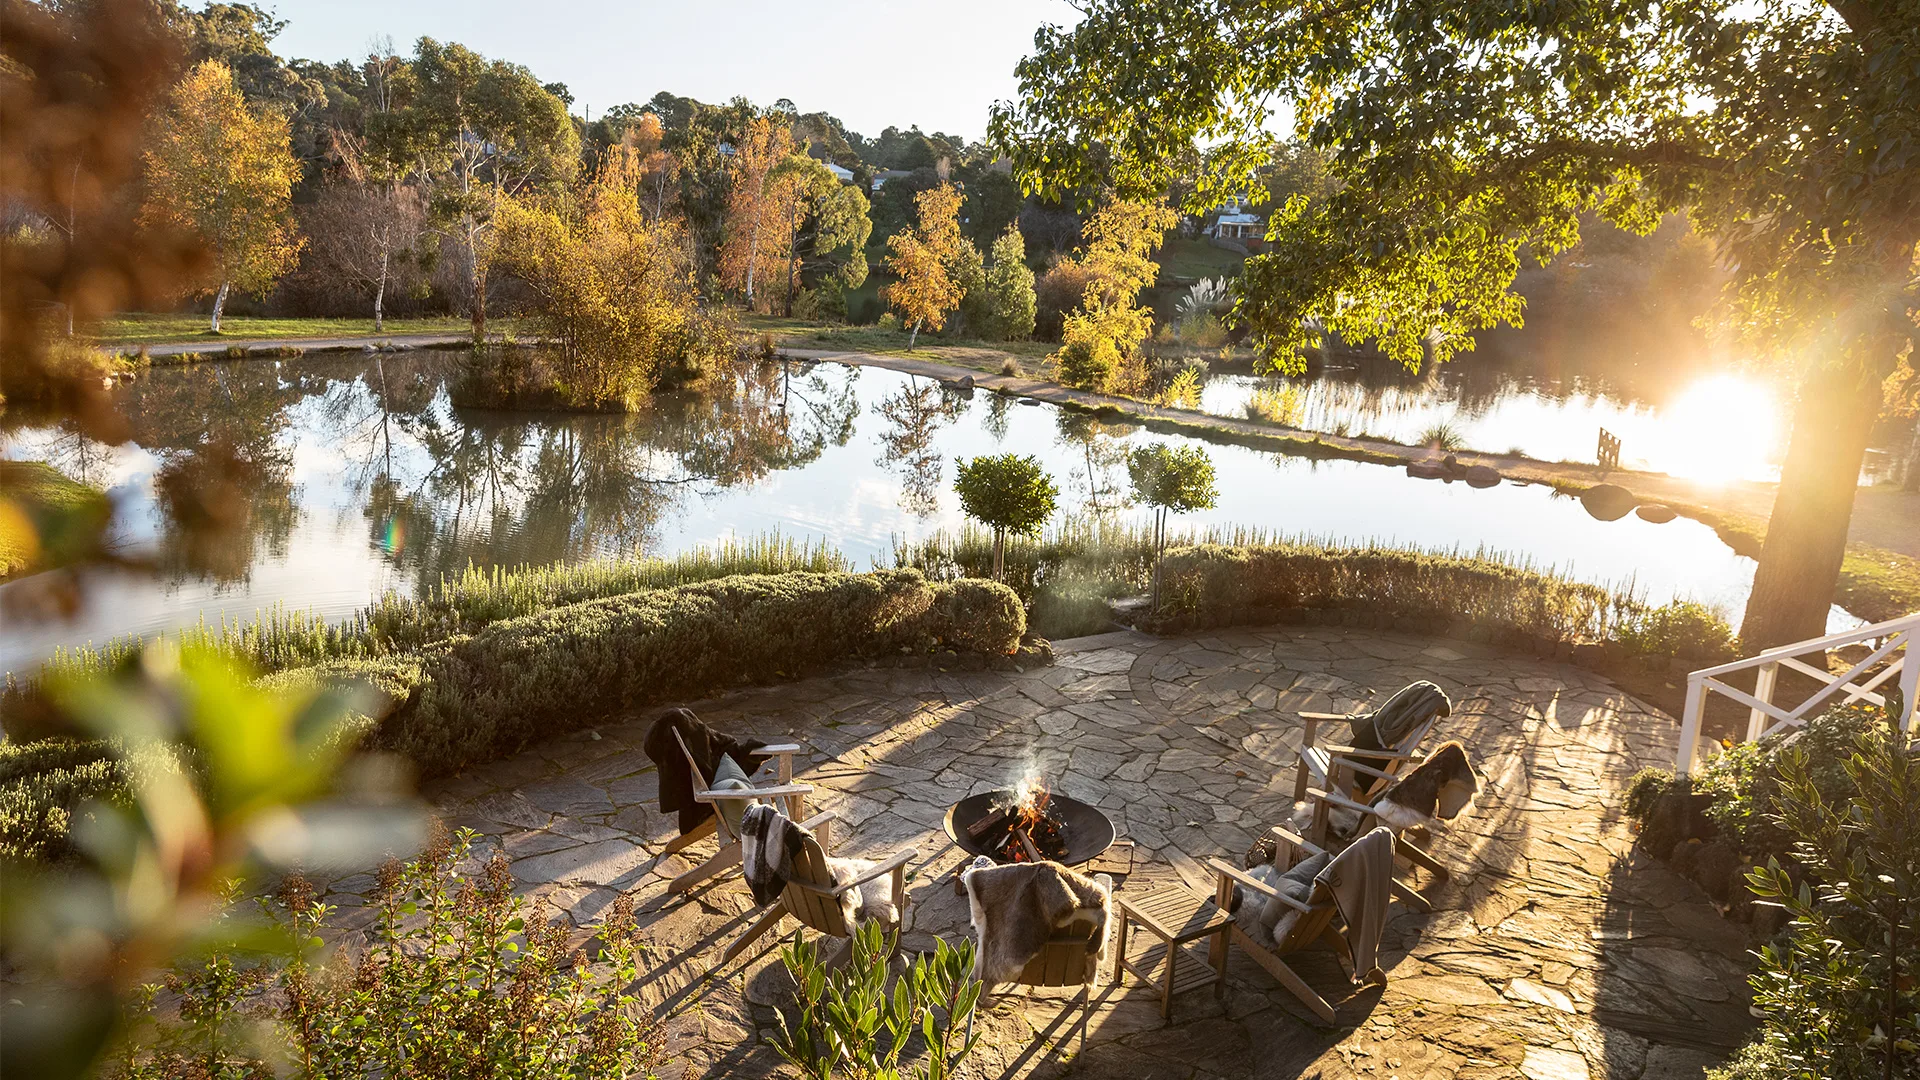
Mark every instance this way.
x=488 y=129
x=613 y=291
x=921 y=258
x=761 y=199
x=1100 y=340
x=1464 y=139
x=224 y=171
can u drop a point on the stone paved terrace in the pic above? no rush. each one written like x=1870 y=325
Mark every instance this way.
x=1555 y=952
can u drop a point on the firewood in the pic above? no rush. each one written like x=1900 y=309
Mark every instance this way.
x=988 y=822
x=1026 y=842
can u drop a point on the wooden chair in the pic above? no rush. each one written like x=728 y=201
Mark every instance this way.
x=1315 y=924
x=1345 y=769
x=791 y=798
x=1070 y=958
x=1324 y=804
x=812 y=898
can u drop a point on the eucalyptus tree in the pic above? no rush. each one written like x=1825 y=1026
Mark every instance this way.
x=1464 y=137
x=485 y=128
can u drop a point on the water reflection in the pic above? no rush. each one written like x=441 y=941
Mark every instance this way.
x=347 y=477
x=1715 y=427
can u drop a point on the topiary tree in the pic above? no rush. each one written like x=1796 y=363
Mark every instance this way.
x=1171 y=479
x=1007 y=493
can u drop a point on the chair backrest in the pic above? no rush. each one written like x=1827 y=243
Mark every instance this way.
x=809 y=880
x=1069 y=958
x=1366 y=788
x=702 y=781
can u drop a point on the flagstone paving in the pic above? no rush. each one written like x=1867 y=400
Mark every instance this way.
x=1555 y=951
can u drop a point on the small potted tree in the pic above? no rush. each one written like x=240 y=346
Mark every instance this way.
x=1006 y=493
x=1171 y=480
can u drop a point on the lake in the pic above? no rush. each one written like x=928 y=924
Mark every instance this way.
x=360 y=475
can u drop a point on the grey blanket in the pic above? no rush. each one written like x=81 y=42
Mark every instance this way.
x=1409 y=707
x=1361 y=880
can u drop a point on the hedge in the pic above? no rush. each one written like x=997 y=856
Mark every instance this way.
x=1214 y=585
x=474 y=698
x=489 y=695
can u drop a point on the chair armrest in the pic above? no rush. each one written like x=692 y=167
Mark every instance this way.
x=778 y=749
x=1355 y=766
x=894 y=862
x=1338 y=800
x=1355 y=751
x=1228 y=870
x=753 y=793
x=1281 y=832
x=1322 y=716
x=824 y=817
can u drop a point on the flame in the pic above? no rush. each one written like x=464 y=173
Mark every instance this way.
x=1030 y=800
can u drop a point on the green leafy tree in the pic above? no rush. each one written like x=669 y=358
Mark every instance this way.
x=1007 y=493
x=1010 y=299
x=1850 y=956
x=1172 y=480
x=830 y=227
x=491 y=129
x=1463 y=139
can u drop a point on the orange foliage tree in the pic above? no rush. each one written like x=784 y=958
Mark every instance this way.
x=759 y=234
x=225 y=171
x=921 y=259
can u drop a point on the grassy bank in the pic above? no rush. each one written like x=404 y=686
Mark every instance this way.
x=46 y=520
x=138 y=329
x=1875 y=584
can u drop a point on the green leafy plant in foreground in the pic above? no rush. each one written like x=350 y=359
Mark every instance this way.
x=847 y=1023
x=1851 y=957
x=459 y=979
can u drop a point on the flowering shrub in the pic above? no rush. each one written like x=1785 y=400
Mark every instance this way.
x=457 y=980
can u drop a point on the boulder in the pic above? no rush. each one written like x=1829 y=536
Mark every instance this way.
x=1608 y=502
x=1482 y=476
x=1426 y=470
x=1658 y=513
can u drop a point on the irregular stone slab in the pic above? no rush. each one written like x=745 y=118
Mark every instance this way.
x=1546 y=1063
x=589 y=864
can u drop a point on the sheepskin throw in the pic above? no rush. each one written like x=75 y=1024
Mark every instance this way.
x=1437 y=789
x=1016 y=908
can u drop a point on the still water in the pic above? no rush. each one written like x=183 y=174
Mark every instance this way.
x=362 y=475
x=1718 y=427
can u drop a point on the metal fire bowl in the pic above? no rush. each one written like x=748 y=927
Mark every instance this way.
x=1089 y=832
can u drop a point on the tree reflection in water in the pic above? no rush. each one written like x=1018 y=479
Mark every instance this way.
x=915 y=414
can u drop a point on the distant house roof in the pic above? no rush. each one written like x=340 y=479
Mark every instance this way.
x=885 y=175
x=845 y=176
x=1239 y=219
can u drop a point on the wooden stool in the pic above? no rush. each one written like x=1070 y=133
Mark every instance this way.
x=1176 y=917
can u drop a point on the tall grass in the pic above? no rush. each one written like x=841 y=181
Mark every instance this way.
x=1442 y=435
x=1099 y=557
x=1276 y=404
x=462 y=603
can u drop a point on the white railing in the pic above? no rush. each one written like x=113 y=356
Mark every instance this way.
x=1892 y=644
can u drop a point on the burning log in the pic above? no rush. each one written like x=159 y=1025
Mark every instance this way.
x=1026 y=845
x=994 y=819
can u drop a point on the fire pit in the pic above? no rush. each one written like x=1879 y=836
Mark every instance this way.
x=1027 y=824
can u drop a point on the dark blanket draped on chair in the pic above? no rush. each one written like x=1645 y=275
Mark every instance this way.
x=1409 y=707
x=707 y=747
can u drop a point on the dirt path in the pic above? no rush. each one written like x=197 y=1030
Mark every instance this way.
x=310 y=344
x=1881 y=518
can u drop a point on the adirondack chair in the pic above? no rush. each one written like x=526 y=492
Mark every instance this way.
x=1070 y=958
x=791 y=798
x=1324 y=803
x=812 y=898
x=1315 y=924
x=1357 y=772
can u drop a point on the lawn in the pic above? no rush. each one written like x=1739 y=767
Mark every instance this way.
x=38 y=499
x=164 y=329
x=1187 y=260
x=979 y=355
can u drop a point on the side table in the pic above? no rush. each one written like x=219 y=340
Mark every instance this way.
x=1177 y=917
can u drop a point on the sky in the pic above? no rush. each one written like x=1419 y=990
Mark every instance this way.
x=872 y=64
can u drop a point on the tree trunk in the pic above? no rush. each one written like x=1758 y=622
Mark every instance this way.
x=1807 y=532
x=753 y=251
x=913 y=335
x=999 y=553
x=1159 y=551
x=219 y=302
x=1911 y=482
x=793 y=249
x=380 y=298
